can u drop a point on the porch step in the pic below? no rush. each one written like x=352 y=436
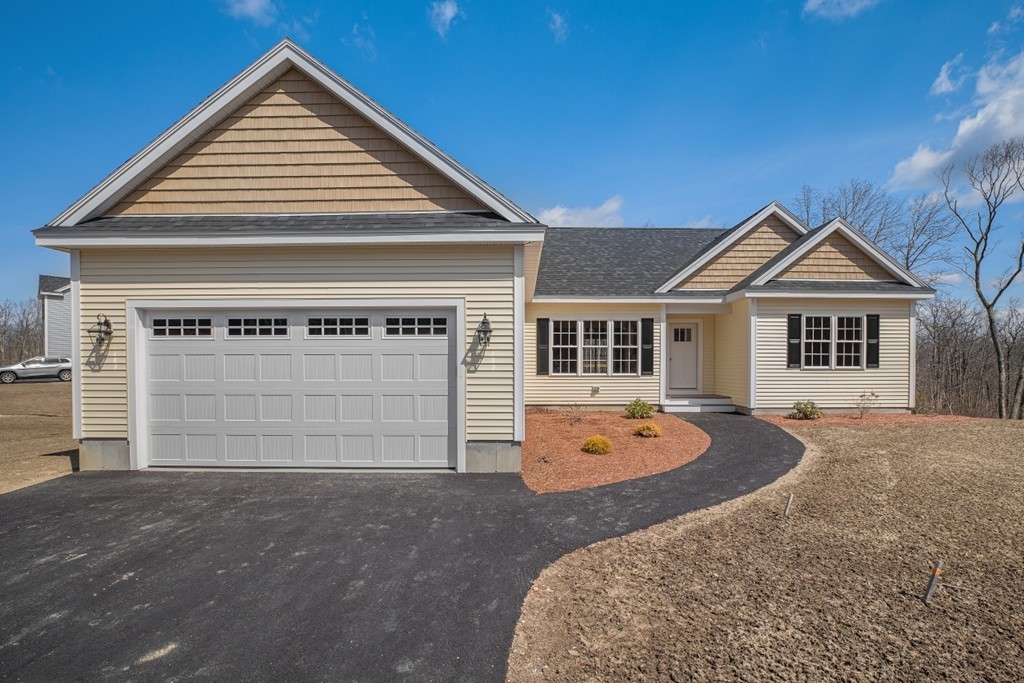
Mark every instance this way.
x=698 y=404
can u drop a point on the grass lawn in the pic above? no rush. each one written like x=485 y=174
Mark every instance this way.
x=833 y=592
x=35 y=433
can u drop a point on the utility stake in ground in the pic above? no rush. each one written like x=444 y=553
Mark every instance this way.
x=934 y=581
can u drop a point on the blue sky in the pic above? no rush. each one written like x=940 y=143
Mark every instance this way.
x=668 y=113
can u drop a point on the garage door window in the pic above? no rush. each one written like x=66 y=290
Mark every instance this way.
x=182 y=327
x=416 y=327
x=257 y=327
x=338 y=327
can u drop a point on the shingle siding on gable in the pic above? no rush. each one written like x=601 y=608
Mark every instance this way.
x=836 y=258
x=295 y=148
x=743 y=257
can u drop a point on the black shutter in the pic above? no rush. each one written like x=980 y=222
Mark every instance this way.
x=873 y=329
x=647 y=346
x=795 y=323
x=543 y=334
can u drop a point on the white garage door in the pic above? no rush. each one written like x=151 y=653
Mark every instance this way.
x=342 y=388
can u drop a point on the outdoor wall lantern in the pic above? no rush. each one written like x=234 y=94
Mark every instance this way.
x=483 y=331
x=102 y=331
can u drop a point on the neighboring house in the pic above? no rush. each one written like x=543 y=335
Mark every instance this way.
x=295 y=278
x=55 y=293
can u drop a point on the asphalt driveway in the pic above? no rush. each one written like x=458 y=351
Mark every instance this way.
x=313 y=576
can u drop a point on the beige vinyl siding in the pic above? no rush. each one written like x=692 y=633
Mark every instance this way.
x=707 y=331
x=483 y=276
x=295 y=148
x=779 y=386
x=836 y=258
x=576 y=389
x=744 y=257
x=732 y=353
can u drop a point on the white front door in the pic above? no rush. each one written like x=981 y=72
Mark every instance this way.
x=683 y=357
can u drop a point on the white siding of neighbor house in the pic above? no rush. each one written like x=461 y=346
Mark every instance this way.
x=732 y=354
x=58 y=325
x=483 y=276
x=543 y=390
x=778 y=386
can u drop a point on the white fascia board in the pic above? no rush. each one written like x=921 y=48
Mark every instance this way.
x=830 y=295
x=844 y=228
x=776 y=208
x=518 y=237
x=710 y=301
x=279 y=59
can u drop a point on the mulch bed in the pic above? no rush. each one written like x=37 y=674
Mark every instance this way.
x=833 y=593
x=553 y=461
x=869 y=419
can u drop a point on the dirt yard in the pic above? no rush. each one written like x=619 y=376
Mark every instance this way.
x=834 y=592
x=35 y=433
x=553 y=459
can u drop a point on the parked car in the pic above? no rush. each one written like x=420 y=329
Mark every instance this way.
x=36 y=368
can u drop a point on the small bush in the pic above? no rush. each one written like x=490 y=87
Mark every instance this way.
x=639 y=410
x=574 y=415
x=805 y=410
x=597 y=445
x=866 y=402
x=648 y=430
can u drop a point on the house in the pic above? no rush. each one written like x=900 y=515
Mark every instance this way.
x=55 y=293
x=291 y=277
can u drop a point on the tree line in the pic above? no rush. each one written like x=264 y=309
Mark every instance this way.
x=970 y=356
x=21 y=330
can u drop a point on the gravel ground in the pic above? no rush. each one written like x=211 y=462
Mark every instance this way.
x=553 y=459
x=737 y=592
x=35 y=433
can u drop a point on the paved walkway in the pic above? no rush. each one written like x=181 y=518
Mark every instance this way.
x=355 y=577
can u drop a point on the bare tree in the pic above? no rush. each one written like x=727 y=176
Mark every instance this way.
x=21 y=330
x=993 y=176
x=916 y=232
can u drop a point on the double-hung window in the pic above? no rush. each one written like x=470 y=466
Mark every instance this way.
x=595 y=347
x=833 y=341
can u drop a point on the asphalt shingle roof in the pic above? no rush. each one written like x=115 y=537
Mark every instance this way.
x=616 y=261
x=51 y=283
x=232 y=225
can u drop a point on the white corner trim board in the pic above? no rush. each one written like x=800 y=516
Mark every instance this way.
x=76 y=345
x=518 y=341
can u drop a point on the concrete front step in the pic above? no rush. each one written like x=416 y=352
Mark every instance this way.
x=712 y=408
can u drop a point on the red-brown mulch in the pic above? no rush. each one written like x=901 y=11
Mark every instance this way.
x=553 y=461
x=870 y=419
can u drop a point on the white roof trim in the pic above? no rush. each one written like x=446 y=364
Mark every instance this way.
x=830 y=295
x=774 y=208
x=381 y=237
x=626 y=300
x=848 y=231
x=282 y=57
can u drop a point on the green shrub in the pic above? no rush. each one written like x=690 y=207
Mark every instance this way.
x=648 y=429
x=805 y=410
x=597 y=445
x=639 y=410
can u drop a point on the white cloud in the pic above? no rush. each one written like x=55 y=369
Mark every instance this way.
x=559 y=25
x=443 y=14
x=837 y=10
x=605 y=216
x=364 y=39
x=996 y=113
x=951 y=76
x=706 y=222
x=945 y=279
x=262 y=12
x=1014 y=17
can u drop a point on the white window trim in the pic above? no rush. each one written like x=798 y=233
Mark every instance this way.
x=610 y=332
x=833 y=324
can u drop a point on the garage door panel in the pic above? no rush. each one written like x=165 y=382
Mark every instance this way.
x=301 y=401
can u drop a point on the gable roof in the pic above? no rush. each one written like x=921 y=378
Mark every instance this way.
x=788 y=256
x=616 y=262
x=282 y=57
x=52 y=284
x=730 y=237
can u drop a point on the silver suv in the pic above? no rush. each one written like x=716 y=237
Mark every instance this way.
x=37 y=368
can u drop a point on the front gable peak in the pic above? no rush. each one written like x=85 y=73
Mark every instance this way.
x=288 y=135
